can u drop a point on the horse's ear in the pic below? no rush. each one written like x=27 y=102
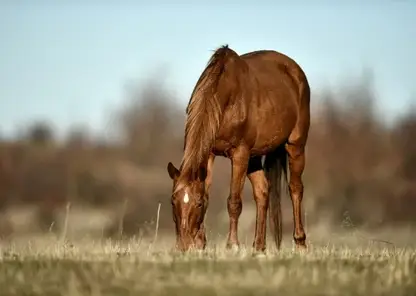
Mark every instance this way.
x=202 y=173
x=173 y=172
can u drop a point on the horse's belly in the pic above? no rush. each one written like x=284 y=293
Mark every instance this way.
x=265 y=145
x=262 y=130
x=272 y=131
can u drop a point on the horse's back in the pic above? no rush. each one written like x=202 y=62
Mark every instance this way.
x=271 y=68
x=268 y=105
x=278 y=102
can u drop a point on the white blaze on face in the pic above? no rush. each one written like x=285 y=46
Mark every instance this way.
x=186 y=198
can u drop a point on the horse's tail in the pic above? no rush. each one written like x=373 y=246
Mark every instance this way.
x=275 y=167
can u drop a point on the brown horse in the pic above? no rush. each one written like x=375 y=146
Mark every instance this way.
x=243 y=107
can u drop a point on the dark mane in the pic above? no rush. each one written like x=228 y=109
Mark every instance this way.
x=204 y=113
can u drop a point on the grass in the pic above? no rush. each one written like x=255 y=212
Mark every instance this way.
x=46 y=266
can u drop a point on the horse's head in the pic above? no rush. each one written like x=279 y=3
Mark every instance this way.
x=189 y=204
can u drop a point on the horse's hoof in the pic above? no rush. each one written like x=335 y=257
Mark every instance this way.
x=259 y=254
x=233 y=248
x=302 y=248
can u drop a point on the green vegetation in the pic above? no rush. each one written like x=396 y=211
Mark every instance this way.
x=45 y=266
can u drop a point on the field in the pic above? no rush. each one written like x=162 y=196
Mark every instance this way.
x=348 y=265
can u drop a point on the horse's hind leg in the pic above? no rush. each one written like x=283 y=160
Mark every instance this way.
x=296 y=153
x=260 y=186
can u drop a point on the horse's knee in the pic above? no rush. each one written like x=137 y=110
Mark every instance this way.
x=234 y=205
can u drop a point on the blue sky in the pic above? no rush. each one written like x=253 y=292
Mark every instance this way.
x=68 y=62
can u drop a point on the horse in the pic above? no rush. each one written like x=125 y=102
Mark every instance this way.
x=243 y=107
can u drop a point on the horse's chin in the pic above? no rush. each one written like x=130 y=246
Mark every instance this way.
x=197 y=243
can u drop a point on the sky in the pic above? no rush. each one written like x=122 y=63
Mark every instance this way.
x=68 y=62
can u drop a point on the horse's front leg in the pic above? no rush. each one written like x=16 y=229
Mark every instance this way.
x=239 y=162
x=202 y=239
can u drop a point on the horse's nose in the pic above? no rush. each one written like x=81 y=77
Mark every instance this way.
x=185 y=243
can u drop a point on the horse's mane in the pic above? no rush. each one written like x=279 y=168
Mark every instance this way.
x=205 y=112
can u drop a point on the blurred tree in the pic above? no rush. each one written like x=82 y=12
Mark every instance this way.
x=405 y=133
x=40 y=132
x=78 y=137
x=149 y=123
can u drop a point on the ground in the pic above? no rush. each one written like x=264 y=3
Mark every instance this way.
x=49 y=266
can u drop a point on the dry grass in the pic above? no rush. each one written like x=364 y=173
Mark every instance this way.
x=46 y=266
